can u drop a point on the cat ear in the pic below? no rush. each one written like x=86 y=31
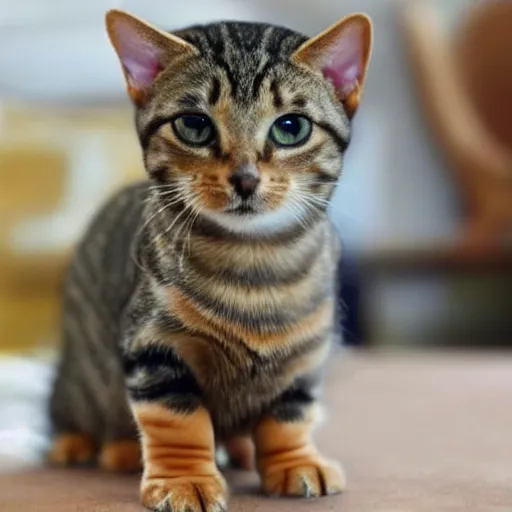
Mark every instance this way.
x=342 y=54
x=144 y=51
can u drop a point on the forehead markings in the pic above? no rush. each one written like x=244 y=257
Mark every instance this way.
x=189 y=101
x=278 y=99
x=217 y=50
x=341 y=142
x=215 y=90
x=299 y=101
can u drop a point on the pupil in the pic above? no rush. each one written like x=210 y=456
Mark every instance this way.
x=195 y=122
x=291 y=125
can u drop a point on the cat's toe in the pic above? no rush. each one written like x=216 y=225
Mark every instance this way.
x=305 y=480
x=185 y=494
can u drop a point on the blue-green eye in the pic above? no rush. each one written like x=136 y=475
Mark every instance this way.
x=291 y=130
x=194 y=129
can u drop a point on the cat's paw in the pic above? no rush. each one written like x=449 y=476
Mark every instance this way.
x=72 y=450
x=304 y=480
x=185 y=494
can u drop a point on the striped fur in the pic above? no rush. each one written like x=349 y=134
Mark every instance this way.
x=175 y=297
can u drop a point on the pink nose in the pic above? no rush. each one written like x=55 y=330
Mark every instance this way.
x=245 y=180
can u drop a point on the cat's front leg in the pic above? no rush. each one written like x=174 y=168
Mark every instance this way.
x=177 y=436
x=288 y=461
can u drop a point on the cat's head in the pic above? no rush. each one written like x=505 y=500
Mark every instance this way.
x=245 y=124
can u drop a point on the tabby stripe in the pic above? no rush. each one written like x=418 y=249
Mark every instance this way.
x=185 y=385
x=151 y=357
x=340 y=141
x=297 y=394
x=160 y=173
x=268 y=152
x=152 y=127
x=231 y=34
x=307 y=346
x=261 y=322
x=94 y=376
x=300 y=102
x=189 y=101
x=217 y=49
x=93 y=407
x=256 y=276
x=214 y=92
x=229 y=73
x=152 y=264
x=82 y=298
x=292 y=410
x=325 y=178
x=278 y=100
x=260 y=76
x=168 y=323
x=86 y=409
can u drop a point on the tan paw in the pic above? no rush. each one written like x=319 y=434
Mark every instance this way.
x=121 y=456
x=304 y=480
x=185 y=494
x=72 y=449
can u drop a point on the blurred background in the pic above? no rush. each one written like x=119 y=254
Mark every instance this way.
x=424 y=207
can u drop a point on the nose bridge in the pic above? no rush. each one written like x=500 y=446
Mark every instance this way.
x=242 y=128
x=246 y=169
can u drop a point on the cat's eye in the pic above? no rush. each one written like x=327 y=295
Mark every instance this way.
x=291 y=130
x=194 y=129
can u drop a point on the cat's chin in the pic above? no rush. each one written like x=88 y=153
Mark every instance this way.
x=252 y=222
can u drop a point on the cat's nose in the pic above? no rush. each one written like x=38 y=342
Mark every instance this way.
x=245 y=180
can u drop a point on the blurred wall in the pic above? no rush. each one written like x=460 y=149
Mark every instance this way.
x=396 y=188
x=57 y=64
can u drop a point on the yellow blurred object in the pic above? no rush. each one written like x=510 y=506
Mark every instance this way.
x=56 y=167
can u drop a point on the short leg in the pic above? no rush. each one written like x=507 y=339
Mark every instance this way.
x=288 y=462
x=72 y=449
x=176 y=434
x=121 y=449
x=123 y=456
x=179 y=460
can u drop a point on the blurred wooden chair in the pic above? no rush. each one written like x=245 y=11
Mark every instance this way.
x=464 y=81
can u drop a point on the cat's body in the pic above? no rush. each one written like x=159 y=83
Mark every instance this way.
x=109 y=295
x=202 y=303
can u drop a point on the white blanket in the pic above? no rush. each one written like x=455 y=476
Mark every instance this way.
x=24 y=390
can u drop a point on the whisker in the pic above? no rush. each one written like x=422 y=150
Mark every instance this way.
x=294 y=207
x=173 y=223
x=142 y=228
x=190 y=224
x=342 y=185
x=316 y=201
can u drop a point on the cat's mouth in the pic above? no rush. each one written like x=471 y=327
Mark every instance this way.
x=242 y=209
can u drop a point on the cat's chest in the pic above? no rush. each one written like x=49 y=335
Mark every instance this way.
x=263 y=319
x=236 y=384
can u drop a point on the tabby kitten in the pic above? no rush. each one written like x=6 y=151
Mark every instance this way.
x=199 y=308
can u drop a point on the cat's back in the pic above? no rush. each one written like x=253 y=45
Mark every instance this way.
x=99 y=283
x=104 y=266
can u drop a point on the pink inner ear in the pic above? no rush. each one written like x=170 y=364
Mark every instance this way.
x=140 y=58
x=343 y=62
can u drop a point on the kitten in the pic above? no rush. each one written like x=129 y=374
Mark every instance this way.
x=206 y=295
